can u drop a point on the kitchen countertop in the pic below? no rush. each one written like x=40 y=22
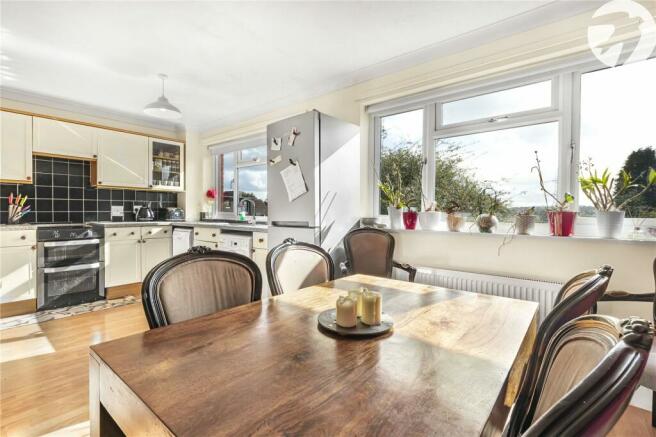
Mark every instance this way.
x=244 y=227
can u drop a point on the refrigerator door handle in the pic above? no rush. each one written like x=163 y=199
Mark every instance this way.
x=291 y=224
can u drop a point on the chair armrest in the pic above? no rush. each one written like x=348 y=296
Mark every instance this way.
x=623 y=296
x=344 y=267
x=412 y=272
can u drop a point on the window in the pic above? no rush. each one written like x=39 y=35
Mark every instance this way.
x=455 y=145
x=498 y=104
x=241 y=179
x=471 y=169
x=401 y=138
x=618 y=127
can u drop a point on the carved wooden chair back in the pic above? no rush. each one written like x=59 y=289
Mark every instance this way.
x=293 y=265
x=198 y=283
x=591 y=369
x=575 y=304
x=370 y=251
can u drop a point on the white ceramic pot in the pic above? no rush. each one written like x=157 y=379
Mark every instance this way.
x=396 y=217
x=609 y=223
x=430 y=220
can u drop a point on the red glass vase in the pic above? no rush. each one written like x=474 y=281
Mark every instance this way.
x=561 y=223
x=410 y=219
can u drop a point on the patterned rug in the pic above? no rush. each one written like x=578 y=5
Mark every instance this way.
x=60 y=313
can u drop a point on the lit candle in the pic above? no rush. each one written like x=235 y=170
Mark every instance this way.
x=347 y=315
x=372 y=307
x=356 y=294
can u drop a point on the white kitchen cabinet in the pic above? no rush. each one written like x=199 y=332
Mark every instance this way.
x=122 y=160
x=166 y=165
x=17 y=273
x=259 y=256
x=56 y=137
x=122 y=262
x=16 y=148
x=154 y=251
x=211 y=244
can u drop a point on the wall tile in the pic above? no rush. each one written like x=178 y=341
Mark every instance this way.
x=62 y=194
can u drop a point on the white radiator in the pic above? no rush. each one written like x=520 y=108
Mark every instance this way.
x=544 y=293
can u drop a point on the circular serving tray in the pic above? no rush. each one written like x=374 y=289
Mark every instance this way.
x=327 y=322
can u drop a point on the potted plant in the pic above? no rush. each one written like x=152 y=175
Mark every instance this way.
x=598 y=188
x=430 y=217
x=525 y=221
x=488 y=204
x=561 y=220
x=454 y=219
x=394 y=196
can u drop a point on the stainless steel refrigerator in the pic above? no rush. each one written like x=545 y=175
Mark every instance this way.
x=327 y=150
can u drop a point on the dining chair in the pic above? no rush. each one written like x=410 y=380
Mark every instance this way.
x=294 y=265
x=649 y=377
x=591 y=369
x=198 y=283
x=579 y=300
x=370 y=251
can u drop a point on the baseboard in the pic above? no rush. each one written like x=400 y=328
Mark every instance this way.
x=123 y=290
x=17 y=308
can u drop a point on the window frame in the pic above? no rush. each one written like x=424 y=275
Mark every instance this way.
x=565 y=109
x=239 y=164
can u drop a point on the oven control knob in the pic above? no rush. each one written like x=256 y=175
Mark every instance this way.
x=72 y=235
x=55 y=234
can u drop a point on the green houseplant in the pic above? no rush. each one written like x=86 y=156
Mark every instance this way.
x=561 y=220
x=392 y=189
x=610 y=206
x=488 y=204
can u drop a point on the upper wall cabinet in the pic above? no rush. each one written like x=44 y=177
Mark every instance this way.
x=166 y=165
x=16 y=148
x=122 y=160
x=60 y=138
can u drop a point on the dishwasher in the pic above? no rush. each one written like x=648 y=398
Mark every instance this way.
x=241 y=244
x=182 y=240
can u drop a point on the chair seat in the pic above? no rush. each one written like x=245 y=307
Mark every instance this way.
x=649 y=375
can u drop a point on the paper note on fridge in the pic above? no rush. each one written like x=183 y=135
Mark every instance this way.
x=276 y=143
x=292 y=177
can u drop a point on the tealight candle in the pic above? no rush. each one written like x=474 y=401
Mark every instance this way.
x=356 y=294
x=372 y=307
x=347 y=315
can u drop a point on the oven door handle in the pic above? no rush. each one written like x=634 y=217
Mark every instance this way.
x=71 y=268
x=71 y=243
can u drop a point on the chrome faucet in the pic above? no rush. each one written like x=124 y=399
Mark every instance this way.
x=250 y=206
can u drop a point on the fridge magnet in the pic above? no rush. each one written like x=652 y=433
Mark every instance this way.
x=275 y=160
x=276 y=143
x=294 y=182
x=292 y=136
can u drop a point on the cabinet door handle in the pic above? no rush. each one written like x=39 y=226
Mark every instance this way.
x=29 y=178
x=260 y=240
x=132 y=233
x=166 y=232
x=114 y=234
x=23 y=237
x=143 y=241
x=150 y=232
x=213 y=235
x=95 y=156
x=195 y=233
x=99 y=182
x=33 y=247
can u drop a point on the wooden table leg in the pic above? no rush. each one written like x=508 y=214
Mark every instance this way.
x=94 y=397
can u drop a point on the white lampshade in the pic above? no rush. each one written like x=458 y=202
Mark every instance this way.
x=161 y=107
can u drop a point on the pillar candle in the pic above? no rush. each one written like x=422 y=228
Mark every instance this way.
x=347 y=316
x=356 y=294
x=372 y=307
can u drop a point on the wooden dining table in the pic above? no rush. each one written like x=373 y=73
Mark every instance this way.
x=450 y=366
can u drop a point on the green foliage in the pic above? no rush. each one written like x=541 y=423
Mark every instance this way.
x=561 y=204
x=456 y=188
x=640 y=162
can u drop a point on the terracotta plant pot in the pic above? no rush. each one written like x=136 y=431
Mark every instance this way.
x=396 y=217
x=455 y=221
x=610 y=223
x=430 y=220
x=524 y=224
x=486 y=223
x=561 y=223
x=410 y=219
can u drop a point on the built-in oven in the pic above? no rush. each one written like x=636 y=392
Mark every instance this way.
x=70 y=266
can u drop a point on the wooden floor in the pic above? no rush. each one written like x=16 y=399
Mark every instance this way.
x=44 y=371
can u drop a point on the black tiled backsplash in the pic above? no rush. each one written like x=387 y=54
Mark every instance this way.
x=62 y=194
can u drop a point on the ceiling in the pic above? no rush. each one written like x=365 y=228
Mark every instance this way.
x=227 y=60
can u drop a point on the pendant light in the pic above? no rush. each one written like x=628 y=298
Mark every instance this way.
x=161 y=107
